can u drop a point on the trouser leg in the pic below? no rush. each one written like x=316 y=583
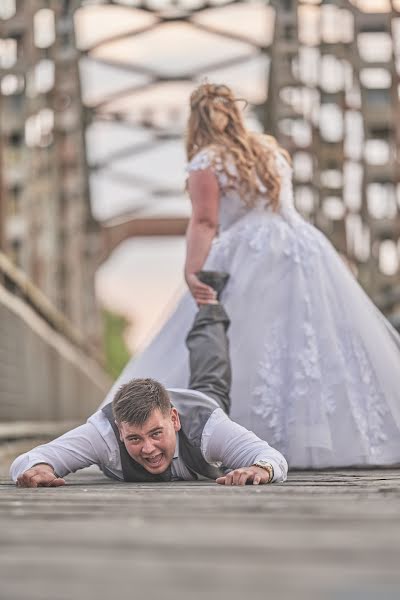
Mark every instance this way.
x=210 y=367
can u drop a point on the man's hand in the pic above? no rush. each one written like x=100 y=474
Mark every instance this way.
x=254 y=475
x=40 y=475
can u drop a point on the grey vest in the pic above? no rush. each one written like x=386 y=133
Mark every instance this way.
x=194 y=411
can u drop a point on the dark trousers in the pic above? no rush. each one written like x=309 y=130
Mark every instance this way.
x=210 y=367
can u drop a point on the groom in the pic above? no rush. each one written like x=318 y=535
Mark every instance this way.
x=150 y=434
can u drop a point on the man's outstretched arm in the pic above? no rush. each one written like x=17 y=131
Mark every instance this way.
x=46 y=465
x=238 y=449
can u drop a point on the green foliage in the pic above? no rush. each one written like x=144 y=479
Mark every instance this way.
x=116 y=351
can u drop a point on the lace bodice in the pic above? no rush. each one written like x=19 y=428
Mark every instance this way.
x=232 y=207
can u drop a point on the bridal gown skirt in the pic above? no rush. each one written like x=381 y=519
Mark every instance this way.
x=316 y=367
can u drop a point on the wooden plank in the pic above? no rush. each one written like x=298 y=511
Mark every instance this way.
x=320 y=535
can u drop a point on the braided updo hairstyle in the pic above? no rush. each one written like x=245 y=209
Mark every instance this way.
x=216 y=122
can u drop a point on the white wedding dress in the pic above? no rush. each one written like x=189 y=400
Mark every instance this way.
x=316 y=367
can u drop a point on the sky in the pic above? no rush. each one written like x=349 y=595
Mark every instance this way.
x=143 y=280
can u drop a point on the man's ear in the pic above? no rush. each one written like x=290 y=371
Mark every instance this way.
x=175 y=419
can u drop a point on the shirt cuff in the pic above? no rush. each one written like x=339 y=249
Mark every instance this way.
x=280 y=470
x=27 y=461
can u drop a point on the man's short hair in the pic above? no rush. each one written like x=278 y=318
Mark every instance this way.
x=136 y=400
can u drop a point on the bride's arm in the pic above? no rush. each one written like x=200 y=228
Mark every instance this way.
x=203 y=226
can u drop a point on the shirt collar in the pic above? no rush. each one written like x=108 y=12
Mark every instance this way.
x=176 y=454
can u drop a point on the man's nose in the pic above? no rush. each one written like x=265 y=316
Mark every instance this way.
x=148 y=447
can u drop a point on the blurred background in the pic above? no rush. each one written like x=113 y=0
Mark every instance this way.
x=93 y=105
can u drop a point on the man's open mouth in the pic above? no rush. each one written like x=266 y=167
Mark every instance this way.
x=155 y=461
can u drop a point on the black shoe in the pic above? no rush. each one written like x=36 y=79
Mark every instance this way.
x=215 y=279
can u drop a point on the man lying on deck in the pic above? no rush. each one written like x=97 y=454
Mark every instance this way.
x=150 y=434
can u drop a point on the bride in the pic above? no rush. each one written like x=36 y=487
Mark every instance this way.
x=316 y=367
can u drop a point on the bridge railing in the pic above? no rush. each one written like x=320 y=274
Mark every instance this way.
x=48 y=372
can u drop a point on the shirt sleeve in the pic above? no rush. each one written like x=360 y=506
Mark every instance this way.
x=76 y=449
x=234 y=446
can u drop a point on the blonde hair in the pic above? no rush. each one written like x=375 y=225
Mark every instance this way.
x=215 y=121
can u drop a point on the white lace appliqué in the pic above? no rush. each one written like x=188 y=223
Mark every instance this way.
x=206 y=159
x=315 y=372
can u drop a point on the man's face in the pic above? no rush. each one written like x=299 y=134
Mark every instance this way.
x=153 y=444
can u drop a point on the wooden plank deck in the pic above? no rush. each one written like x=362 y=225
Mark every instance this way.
x=333 y=535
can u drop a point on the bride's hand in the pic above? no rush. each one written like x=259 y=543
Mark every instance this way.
x=201 y=292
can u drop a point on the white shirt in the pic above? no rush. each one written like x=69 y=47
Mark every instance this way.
x=223 y=442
